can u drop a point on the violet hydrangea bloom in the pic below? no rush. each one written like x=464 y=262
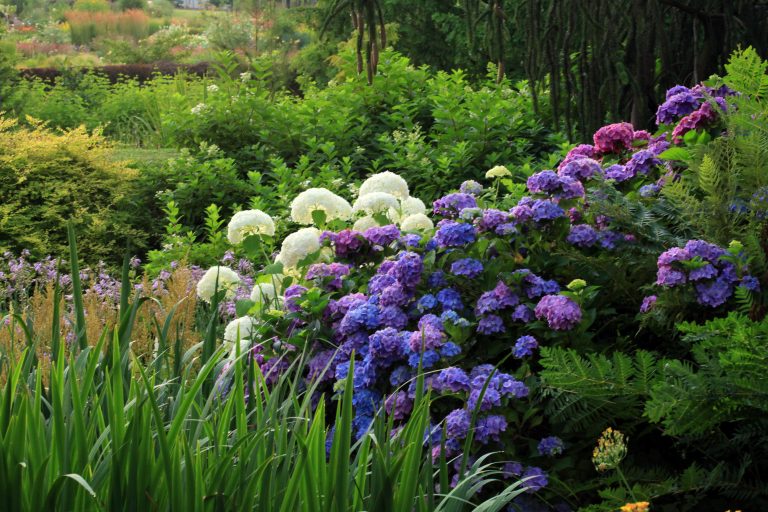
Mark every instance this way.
x=551 y=446
x=454 y=234
x=560 y=312
x=451 y=379
x=488 y=428
x=582 y=235
x=324 y=271
x=471 y=187
x=700 y=118
x=382 y=235
x=680 y=102
x=648 y=303
x=467 y=267
x=451 y=205
x=457 y=424
x=580 y=169
x=524 y=346
x=543 y=182
x=642 y=162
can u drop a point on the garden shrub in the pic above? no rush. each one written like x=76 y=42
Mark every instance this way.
x=48 y=179
x=522 y=316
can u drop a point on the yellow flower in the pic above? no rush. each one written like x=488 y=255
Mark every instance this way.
x=610 y=450
x=640 y=506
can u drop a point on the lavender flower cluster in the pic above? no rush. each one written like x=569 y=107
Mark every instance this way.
x=708 y=267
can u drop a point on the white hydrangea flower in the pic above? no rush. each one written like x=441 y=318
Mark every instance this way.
x=387 y=182
x=375 y=202
x=264 y=294
x=228 y=280
x=249 y=222
x=364 y=223
x=298 y=246
x=412 y=206
x=304 y=204
x=497 y=172
x=417 y=222
x=239 y=329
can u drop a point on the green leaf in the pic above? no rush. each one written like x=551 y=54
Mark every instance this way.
x=319 y=217
x=243 y=306
x=274 y=268
x=676 y=153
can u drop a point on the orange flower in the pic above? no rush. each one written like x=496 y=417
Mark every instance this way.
x=640 y=506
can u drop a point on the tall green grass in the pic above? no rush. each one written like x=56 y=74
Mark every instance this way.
x=98 y=430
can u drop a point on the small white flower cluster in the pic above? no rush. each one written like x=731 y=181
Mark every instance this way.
x=199 y=109
x=322 y=199
x=497 y=172
x=387 y=193
x=249 y=222
x=212 y=88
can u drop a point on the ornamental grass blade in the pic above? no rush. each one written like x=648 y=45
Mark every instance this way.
x=77 y=289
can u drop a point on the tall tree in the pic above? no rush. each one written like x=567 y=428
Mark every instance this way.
x=612 y=59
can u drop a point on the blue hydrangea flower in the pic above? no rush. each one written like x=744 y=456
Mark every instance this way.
x=451 y=379
x=551 y=446
x=457 y=424
x=582 y=235
x=524 y=346
x=454 y=234
x=450 y=299
x=467 y=267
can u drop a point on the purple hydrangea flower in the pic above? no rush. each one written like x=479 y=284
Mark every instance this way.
x=543 y=209
x=648 y=303
x=491 y=324
x=524 y=346
x=492 y=220
x=580 y=169
x=680 y=102
x=560 y=312
x=454 y=234
x=291 y=296
x=451 y=205
x=642 y=162
x=534 y=479
x=471 y=187
x=467 y=267
x=451 y=379
x=551 y=446
x=450 y=299
x=382 y=235
x=457 y=424
x=322 y=271
x=489 y=428
x=619 y=173
x=543 y=182
x=582 y=235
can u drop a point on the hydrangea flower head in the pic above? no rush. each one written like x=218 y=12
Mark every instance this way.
x=560 y=312
x=249 y=222
x=471 y=187
x=551 y=446
x=580 y=169
x=218 y=279
x=416 y=222
x=319 y=199
x=614 y=138
x=375 y=202
x=299 y=245
x=451 y=205
x=467 y=267
x=454 y=234
x=524 y=347
x=387 y=182
x=498 y=171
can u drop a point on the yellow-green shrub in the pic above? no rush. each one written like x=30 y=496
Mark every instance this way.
x=47 y=178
